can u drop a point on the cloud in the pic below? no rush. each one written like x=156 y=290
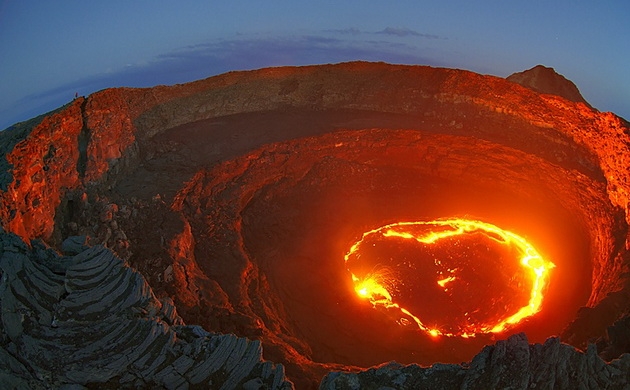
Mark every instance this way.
x=260 y=51
x=405 y=32
x=391 y=31
x=348 y=31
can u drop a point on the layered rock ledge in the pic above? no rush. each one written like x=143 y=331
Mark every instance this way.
x=90 y=320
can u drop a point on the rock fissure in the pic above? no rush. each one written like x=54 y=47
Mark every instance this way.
x=83 y=142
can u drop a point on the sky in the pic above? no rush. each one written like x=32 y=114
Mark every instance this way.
x=51 y=49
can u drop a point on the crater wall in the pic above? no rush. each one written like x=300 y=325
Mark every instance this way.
x=237 y=195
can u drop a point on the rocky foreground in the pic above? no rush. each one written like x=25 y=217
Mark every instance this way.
x=227 y=204
x=88 y=319
x=508 y=364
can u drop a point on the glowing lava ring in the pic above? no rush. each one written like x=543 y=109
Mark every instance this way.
x=432 y=273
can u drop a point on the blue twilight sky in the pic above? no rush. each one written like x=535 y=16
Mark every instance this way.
x=51 y=49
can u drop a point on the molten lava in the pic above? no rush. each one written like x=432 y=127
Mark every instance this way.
x=453 y=277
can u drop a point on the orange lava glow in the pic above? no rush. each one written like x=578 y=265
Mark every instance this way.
x=438 y=256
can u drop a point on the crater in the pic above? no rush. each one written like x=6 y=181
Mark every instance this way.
x=242 y=196
x=295 y=208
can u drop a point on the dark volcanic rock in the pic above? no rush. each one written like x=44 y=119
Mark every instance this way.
x=91 y=320
x=545 y=80
x=509 y=364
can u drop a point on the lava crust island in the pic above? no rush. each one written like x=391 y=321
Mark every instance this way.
x=339 y=216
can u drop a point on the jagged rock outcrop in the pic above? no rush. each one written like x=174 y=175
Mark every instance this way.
x=508 y=364
x=545 y=80
x=235 y=196
x=90 y=320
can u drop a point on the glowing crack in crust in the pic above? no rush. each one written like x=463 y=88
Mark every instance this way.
x=377 y=286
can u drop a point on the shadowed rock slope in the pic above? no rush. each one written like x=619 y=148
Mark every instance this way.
x=237 y=196
x=90 y=320
x=508 y=364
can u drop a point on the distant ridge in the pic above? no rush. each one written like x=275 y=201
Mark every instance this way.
x=546 y=80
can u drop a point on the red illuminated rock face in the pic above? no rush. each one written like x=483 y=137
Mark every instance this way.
x=43 y=165
x=220 y=191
